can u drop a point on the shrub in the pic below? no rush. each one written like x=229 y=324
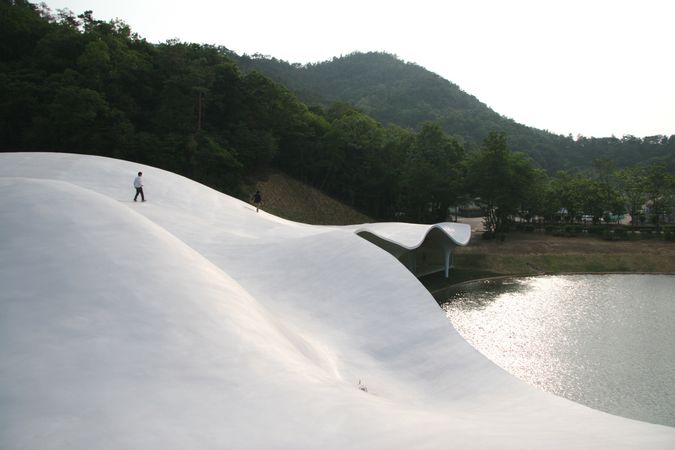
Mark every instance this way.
x=620 y=233
x=571 y=230
x=597 y=230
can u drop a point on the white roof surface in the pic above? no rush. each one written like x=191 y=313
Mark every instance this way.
x=191 y=321
x=412 y=235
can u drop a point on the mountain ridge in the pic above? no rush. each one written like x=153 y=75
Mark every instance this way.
x=408 y=95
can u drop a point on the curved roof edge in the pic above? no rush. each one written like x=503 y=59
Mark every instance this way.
x=411 y=236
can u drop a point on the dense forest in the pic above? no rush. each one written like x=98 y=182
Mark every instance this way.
x=407 y=95
x=71 y=83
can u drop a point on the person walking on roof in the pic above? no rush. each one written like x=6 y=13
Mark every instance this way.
x=138 y=184
x=257 y=200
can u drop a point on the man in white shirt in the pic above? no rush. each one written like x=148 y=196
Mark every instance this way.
x=138 y=184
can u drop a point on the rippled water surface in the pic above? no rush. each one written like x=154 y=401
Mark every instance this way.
x=607 y=341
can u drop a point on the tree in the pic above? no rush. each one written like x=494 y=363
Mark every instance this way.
x=433 y=174
x=577 y=194
x=606 y=183
x=658 y=186
x=351 y=144
x=535 y=201
x=632 y=184
x=501 y=179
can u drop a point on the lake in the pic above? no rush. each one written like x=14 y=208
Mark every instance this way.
x=606 y=341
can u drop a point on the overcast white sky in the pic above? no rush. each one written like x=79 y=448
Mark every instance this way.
x=590 y=67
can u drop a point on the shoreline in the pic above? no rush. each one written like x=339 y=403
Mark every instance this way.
x=537 y=254
x=437 y=292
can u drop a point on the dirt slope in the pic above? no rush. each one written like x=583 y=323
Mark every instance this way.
x=286 y=197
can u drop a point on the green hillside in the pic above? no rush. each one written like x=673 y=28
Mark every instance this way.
x=390 y=139
x=286 y=197
x=407 y=95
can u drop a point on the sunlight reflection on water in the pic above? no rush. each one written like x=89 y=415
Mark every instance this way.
x=607 y=341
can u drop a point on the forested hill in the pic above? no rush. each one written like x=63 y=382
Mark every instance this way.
x=408 y=95
x=71 y=83
x=388 y=89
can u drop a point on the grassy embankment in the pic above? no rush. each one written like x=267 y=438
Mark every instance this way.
x=286 y=197
x=540 y=253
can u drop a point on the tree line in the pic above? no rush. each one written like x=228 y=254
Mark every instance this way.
x=509 y=186
x=405 y=94
x=72 y=83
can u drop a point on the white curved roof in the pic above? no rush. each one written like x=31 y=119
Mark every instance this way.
x=191 y=321
x=411 y=236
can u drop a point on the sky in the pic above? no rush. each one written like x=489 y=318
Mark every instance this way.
x=580 y=67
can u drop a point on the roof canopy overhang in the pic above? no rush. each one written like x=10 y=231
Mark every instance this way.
x=423 y=249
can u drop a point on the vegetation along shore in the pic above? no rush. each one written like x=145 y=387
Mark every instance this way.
x=524 y=253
